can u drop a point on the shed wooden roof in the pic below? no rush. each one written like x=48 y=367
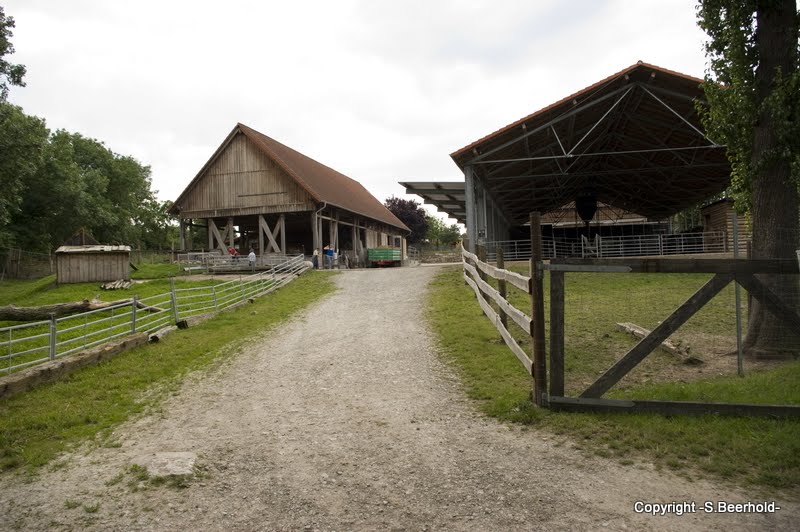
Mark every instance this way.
x=322 y=183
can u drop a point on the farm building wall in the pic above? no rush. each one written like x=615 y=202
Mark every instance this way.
x=242 y=181
x=718 y=217
x=86 y=267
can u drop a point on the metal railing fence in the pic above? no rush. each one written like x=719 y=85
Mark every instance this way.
x=34 y=343
x=613 y=246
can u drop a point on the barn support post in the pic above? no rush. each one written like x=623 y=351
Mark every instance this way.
x=212 y=229
x=260 y=237
x=537 y=312
x=472 y=222
x=272 y=234
x=183 y=234
x=314 y=231
x=230 y=233
x=282 y=225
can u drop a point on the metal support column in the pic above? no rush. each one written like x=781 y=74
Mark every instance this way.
x=472 y=222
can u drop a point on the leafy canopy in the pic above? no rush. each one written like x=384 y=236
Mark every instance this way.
x=10 y=74
x=735 y=101
x=410 y=213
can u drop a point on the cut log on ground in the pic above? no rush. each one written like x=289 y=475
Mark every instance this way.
x=43 y=312
x=669 y=346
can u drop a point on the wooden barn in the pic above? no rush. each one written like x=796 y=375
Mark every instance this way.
x=255 y=192
x=85 y=264
x=718 y=217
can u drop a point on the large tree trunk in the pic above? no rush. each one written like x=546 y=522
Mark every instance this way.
x=776 y=230
x=44 y=312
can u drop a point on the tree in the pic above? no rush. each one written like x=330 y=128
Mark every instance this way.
x=753 y=92
x=10 y=74
x=79 y=183
x=22 y=139
x=410 y=213
x=439 y=234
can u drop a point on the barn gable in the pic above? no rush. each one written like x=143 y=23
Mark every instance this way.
x=240 y=179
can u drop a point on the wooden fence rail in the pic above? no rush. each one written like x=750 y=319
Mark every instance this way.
x=743 y=272
x=483 y=290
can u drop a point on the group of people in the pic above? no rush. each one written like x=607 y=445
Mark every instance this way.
x=251 y=257
x=330 y=257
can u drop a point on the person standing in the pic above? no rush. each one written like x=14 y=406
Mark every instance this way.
x=251 y=258
x=328 y=256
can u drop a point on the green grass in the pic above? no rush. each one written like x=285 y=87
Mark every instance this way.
x=38 y=425
x=746 y=451
x=156 y=271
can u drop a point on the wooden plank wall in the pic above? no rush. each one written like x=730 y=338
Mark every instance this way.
x=719 y=217
x=91 y=267
x=242 y=181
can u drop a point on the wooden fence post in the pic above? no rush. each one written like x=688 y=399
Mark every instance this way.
x=480 y=251
x=537 y=312
x=501 y=286
x=557 y=334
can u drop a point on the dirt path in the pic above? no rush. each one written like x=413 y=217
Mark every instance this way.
x=345 y=419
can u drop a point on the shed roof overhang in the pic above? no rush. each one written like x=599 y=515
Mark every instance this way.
x=447 y=196
x=633 y=140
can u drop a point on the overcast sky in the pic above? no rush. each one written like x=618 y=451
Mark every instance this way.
x=382 y=91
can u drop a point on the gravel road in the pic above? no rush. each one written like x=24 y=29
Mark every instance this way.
x=346 y=419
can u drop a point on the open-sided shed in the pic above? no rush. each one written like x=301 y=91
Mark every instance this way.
x=256 y=192
x=632 y=141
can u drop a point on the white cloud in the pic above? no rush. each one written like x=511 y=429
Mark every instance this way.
x=380 y=90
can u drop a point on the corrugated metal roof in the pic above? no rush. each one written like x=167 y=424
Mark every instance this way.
x=323 y=183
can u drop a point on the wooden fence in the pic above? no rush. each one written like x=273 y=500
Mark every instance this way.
x=725 y=271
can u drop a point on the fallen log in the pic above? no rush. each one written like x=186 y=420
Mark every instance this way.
x=43 y=312
x=669 y=346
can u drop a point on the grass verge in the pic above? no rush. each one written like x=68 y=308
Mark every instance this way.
x=764 y=453
x=38 y=425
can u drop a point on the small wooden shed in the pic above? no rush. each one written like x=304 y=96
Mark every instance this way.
x=85 y=264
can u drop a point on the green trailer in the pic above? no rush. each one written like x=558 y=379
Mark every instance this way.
x=378 y=257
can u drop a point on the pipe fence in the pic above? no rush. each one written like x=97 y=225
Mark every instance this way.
x=614 y=246
x=30 y=344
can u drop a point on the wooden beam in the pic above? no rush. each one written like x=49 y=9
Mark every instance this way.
x=537 y=312
x=690 y=408
x=501 y=286
x=263 y=227
x=214 y=236
x=282 y=223
x=495 y=319
x=660 y=265
x=557 y=333
x=230 y=232
x=314 y=230
x=659 y=334
x=771 y=302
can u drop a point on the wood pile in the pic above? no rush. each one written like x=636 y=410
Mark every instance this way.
x=116 y=285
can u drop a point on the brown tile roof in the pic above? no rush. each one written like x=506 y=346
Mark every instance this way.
x=323 y=183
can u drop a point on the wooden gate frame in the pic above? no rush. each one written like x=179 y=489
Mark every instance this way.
x=725 y=271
